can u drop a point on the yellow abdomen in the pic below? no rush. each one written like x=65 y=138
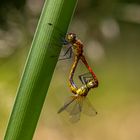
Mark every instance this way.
x=82 y=91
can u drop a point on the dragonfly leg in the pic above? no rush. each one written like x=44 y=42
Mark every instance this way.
x=62 y=42
x=68 y=54
x=84 y=78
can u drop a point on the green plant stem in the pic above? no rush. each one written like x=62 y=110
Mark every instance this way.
x=39 y=69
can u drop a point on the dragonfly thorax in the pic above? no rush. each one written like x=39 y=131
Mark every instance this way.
x=83 y=90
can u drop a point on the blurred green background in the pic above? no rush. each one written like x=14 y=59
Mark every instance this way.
x=110 y=31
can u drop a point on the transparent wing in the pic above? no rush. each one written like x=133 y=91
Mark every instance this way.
x=59 y=40
x=76 y=106
x=76 y=109
x=75 y=118
x=73 y=106
x=66 y=52
x=88 y=109
x=67 y=104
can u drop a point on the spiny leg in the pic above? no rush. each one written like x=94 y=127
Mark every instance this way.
x=84 y=78
x=68 y=54
x=62 y=41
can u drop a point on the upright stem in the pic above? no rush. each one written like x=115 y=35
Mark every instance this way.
x=39 y=68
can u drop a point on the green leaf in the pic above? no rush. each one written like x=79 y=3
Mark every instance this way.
x=39 y=68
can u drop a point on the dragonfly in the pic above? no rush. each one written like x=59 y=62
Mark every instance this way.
x=78 y=102
x=76 y=46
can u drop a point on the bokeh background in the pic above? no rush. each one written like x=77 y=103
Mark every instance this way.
x=110 y=31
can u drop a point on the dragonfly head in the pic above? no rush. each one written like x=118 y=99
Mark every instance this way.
x=71 y=37
x=90 y=84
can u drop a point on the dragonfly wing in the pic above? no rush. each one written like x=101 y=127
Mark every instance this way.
x=66 y=52
x=77 y=107
x=67 y=104
x=75 y=118
x=73 y=106
x=88 y=109
x=76 y=110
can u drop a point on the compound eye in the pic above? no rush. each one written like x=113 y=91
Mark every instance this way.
x=73 y=35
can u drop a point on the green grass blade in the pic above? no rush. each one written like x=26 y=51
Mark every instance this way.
x=39 y=69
